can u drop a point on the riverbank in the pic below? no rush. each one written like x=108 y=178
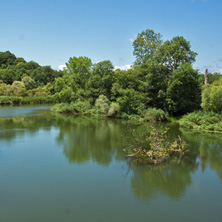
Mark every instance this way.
x=199 y=120
x=202 y=121
x=16 y=100
x=84 y=108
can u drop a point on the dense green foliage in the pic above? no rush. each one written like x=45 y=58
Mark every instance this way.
x=24 y=82
x=162 y=77
x=200 y=120
x=162 y=80
x=183 y=92
x=14 y=69
x=212 y=96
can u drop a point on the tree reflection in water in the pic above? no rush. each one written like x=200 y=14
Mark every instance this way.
x=85 y=139
x=209 y=149
x=169 y=178
x=88 y=139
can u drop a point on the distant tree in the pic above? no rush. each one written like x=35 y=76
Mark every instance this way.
x=41 y=90
x=18 y=89
x=18 y=60
x=80 y=65
x=32 y=65
x=7 y=76
x=79 y=69
x=44 y=75
x=2 y=88
x=7 y=58
x=29 y=82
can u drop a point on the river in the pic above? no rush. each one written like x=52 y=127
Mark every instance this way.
x=62 y=168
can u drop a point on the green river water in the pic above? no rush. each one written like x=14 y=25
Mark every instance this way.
x=59 y=168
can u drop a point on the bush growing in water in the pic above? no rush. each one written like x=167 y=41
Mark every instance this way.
x=159 y=148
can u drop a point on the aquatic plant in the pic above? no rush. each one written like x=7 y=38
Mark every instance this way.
x=159 y=149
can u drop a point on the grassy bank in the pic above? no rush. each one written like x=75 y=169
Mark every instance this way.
x=204 y=121
x=15 y=100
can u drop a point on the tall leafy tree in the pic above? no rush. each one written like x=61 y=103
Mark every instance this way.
x=145 y=45
x=153 y=82
x=79 y=68
x=101 y=79
x=175 y=52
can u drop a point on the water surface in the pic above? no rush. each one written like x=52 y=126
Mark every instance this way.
x=65 y=168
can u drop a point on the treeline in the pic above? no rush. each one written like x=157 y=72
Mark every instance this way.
x=162 y=77
x=21 y=78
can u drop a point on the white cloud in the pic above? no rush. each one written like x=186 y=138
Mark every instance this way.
x=125 y=67
x=131 y=40
x=62 y=67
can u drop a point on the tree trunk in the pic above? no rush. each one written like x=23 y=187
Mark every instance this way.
x=206 y=77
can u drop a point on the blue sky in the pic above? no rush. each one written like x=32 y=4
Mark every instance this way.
x=51 y=31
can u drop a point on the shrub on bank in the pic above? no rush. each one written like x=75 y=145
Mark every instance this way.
x=154 y=115
x=200 y=120
x=103 y=107
x=81 y=107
